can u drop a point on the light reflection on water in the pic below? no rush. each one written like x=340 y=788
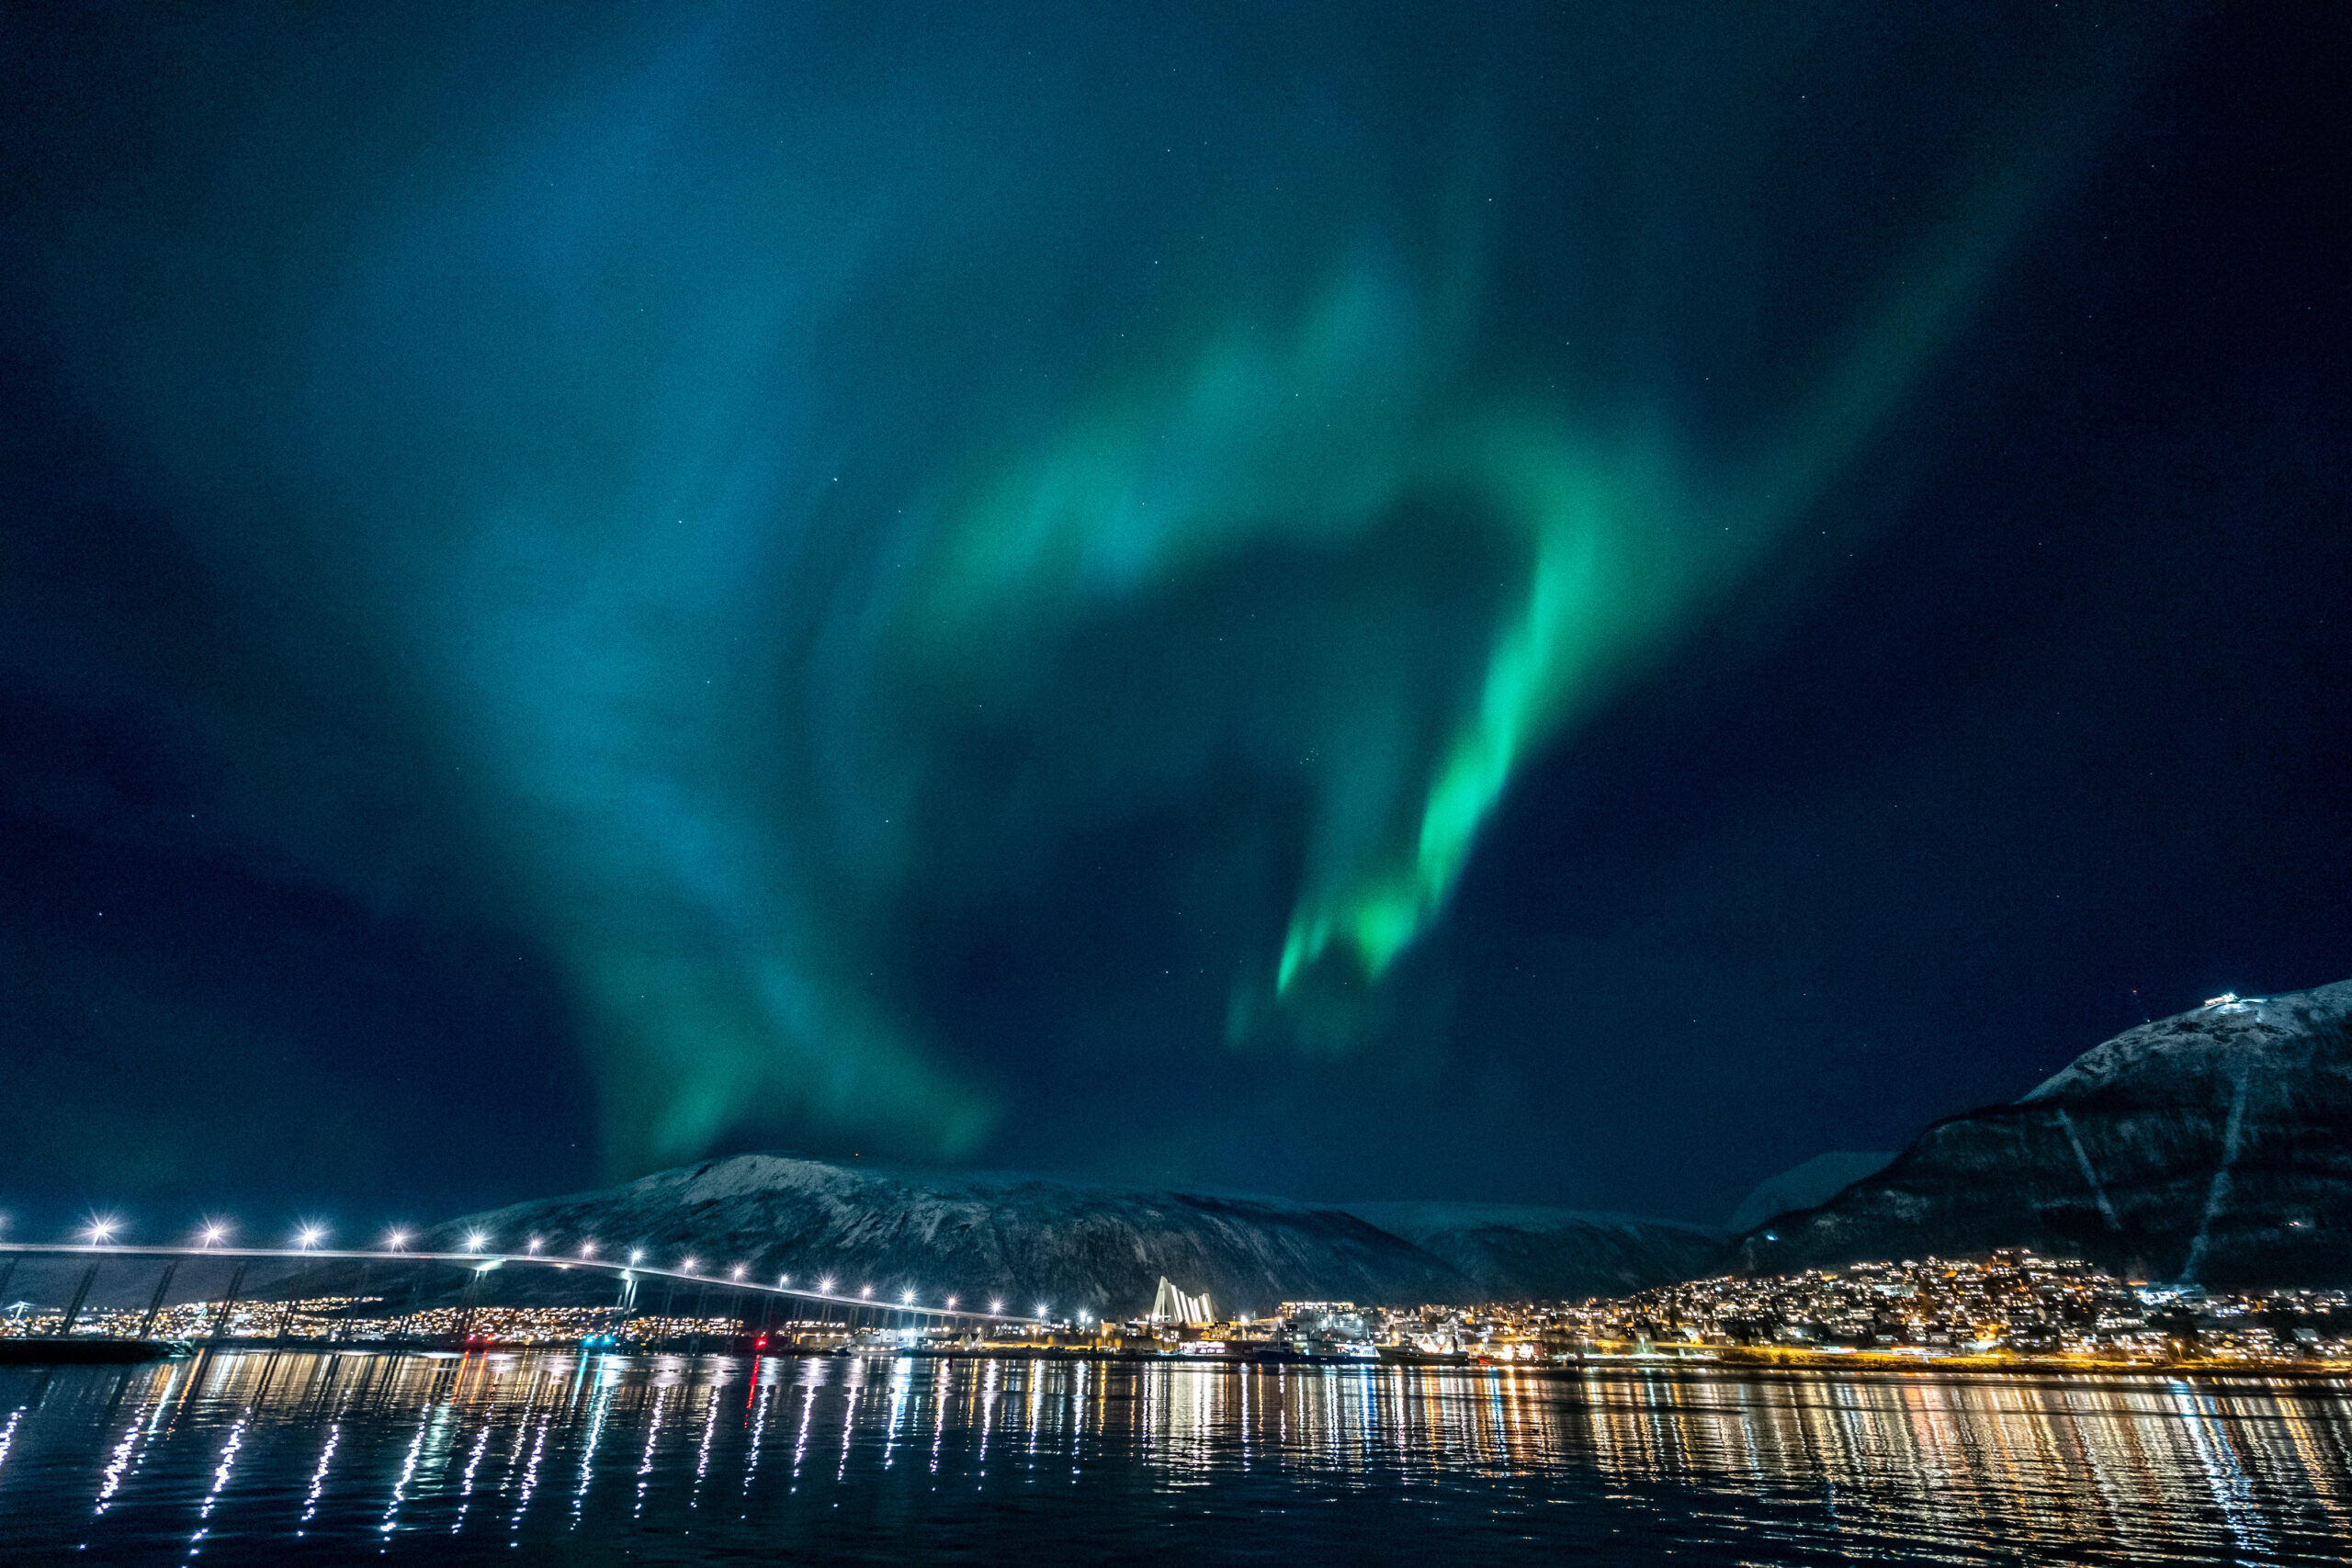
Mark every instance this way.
x=323 y=1458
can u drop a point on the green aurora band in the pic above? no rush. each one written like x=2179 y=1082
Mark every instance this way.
x=717 y=491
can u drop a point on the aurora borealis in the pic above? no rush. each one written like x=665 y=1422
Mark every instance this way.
x=857 y=554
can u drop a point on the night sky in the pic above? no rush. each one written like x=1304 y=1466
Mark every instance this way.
x=1548 y=604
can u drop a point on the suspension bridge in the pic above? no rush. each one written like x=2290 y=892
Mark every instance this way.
x=628 y=1274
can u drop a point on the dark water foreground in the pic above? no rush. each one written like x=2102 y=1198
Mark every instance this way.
x=305 y=1458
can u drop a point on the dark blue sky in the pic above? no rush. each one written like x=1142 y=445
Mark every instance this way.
x=1366 y=604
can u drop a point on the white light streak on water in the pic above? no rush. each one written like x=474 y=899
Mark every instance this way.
x=940 y=1387
x=117 y=1461
x=987 y=1415
x=709 y=1429
x=600 y=1399
x=530 y=1474
x=319 y=1476
x=1036 y=1393
x=761 y=1394
x=2223 y=1473
x=902 y=1371
x=466 y=1482
x=220 y=1483
x=645 y=1461
x=408 y=1471
x=808 y=1411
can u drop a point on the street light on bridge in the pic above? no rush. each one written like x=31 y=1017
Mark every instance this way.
x=587 y=1249
x=396 y=1240
x=212 y=1233
x=310 y=1236
x=476 y=1241
x=102 y=1230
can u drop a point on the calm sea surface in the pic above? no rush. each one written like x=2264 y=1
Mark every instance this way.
x=302 y=1458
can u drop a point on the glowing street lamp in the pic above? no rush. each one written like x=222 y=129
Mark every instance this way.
x=1041 y=1308
x=906 y=1298
x=212 y=1233
x=102 y=1230
x=736 y=1273
x=587 y=1249
x=476 y=1241
x=997 y=1306
x=865 y=1293
x=310 y=1236
x=951 y=1303
x=533 y=1244
x=395 y=1241
x=636 y=1256
x=782 y=1280
x=826 y=1284
x=687 y=1266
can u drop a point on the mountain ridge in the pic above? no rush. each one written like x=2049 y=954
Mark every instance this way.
x=1027 y=1239
x=2213 y=1147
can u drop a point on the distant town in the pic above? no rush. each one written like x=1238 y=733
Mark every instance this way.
x=2014 y=1310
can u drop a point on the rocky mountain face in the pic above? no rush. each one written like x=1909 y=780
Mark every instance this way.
x=1026 y=1240
x=979 y=1236
x=1806 y=1186
x=2214 y=1146
x=1512 y=1253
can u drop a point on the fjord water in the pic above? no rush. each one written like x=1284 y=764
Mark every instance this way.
x=307 y=1457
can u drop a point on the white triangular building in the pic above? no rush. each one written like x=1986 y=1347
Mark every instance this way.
x=1172 y=1305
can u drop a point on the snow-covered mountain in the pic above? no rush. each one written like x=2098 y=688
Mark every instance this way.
x=2213 y=1147
x=1511 y=1252
x=981 y=1236
x=1026 y=1240
x=1806 y=1186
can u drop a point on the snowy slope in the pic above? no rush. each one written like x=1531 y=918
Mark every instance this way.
x=979 y=1236
x=1806 y=1186
x=1512 y=1252
x=2214 y=1146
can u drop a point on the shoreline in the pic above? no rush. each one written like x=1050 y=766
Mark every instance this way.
x=95 y=1351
